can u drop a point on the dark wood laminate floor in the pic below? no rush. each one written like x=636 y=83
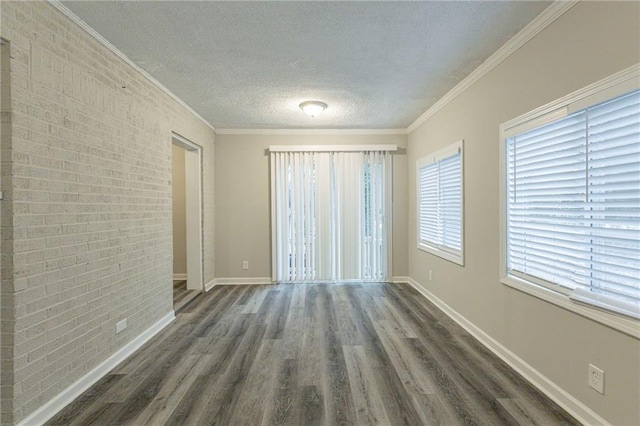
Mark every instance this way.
x=182 y=296
x=311 y=354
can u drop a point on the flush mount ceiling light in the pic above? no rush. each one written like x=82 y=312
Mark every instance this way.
x=313 y=108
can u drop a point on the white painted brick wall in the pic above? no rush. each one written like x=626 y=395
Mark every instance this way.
x=90 y=204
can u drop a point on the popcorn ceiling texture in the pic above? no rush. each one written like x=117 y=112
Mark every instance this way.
x=86 y=220
x=249 y=65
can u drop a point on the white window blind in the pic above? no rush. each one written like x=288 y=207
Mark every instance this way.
x=573 y=205
x=440 y=203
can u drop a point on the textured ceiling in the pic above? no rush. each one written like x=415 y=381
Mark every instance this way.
x=379 y=65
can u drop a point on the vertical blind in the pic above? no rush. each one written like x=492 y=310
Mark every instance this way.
x=573 y=205
x=440 y=202
x=331 y=211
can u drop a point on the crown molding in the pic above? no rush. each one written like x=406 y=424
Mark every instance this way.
x=549 y=15
x=311 y=131
x=78 y=21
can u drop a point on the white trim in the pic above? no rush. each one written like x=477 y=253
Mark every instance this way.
x=183 y=142
x=389 y=215
x=92 y=32
x=338 y=282
x=532 y=123
x=211 y=284
x=458 y=259
x=569 y=403
x=614 y=85
x=549 y=15
x=611 y=86
x=193 y=203
x=57 y=403
x=177 y=277
x=311 y=131
x=400 y=280
x=272 y=213
x=616 y=321
x=243 y=281
x=331 y=148
x=447 y=151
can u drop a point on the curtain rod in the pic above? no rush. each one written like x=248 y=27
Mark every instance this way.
x=331 y=148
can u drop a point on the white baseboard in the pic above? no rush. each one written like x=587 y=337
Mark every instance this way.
x=400 y=280
x=242 y=281
x=208 y=286
x=64 y=398
x=577 y=409
x=177 y=277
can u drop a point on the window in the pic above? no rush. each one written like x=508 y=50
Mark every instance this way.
x=329 y=214
x=440 y=206
x=571 y=201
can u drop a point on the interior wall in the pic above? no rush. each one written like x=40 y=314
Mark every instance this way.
x=91 y=194
x=589 y=42
x=178 y=185
x=243 y=206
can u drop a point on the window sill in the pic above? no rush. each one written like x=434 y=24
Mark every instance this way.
x=459 y=260
x=618 y=322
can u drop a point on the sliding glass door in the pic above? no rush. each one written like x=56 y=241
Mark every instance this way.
x=330 y=214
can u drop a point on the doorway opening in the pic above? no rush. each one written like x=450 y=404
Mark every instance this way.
x=187 y=220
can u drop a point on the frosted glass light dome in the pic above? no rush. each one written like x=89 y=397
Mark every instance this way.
x=313 y=108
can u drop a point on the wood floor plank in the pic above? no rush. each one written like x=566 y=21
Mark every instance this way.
x=311 y=412
x=194 y=403
x=77 y=411
x=415 y=380
x=221 y=409
x=285 y=408
x=254 y=303
x=312 y=354
x=397 y=402
x=347 y=321
x=433 y=411
x=338 y=399
x=368 y=405
x=293 y=334
x=537 y=405
x=258 y=385
x=396 y=318
x=280 y=312
x=174 y=389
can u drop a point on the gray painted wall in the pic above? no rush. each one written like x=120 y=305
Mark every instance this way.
x=243 y=215
x=589 y=42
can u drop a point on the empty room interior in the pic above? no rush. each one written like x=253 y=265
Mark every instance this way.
x=320 y=212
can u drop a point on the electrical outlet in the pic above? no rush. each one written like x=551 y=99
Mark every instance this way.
x=596 y=378
x=245 y=264
x=430 y=275
x=121 y=325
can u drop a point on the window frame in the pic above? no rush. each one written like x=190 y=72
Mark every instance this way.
x=613 y=86
x=431 y=158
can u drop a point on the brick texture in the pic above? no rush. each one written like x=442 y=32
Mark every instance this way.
x=86 y=226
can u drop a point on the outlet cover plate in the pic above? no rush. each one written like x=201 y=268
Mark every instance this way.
x=121 y=325
x=596 y=378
